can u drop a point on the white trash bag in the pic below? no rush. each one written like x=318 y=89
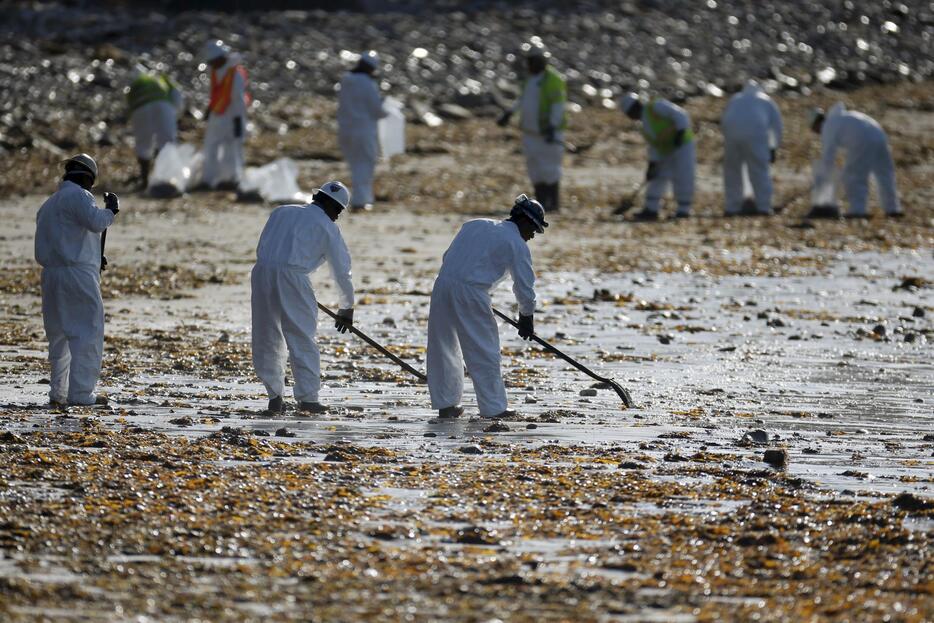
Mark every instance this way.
x=273 y=182
x=175 y=170
x=392 y=129
x=824 y=191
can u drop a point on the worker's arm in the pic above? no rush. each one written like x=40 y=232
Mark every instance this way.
x=90 y=216
x=374 y=102
x=775 y=125
x=339 y=260
x=556 y=115
x=523 y=278
x=830 y=141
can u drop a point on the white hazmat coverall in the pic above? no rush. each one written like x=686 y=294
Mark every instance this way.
x=460 y=320
x=295 y=242
x=543 y=159
x=867 y=152
x=154 y=125
x=68 y=246
x=223 y=150
x=676 y=167
x=359 y=109
x=752 y=127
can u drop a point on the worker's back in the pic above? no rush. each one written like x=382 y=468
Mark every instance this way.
x=359 y=106
x=751 y=114
x=483 y=252
x=296 y=237
x=67 y=226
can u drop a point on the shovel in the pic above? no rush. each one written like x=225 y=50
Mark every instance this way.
x=619 y=389
x=627 y=203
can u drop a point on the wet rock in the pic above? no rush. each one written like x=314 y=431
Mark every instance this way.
x=429 y=434
x=918 y=312
x=754 y=437
x=912 y=503
x=674 y=457
x=776 y=457
x=531 y=426
x=6 y=437
x=630 y=465
x=260 y=433
x=776 y=322
x=470 y=449
x=496 y=427
x=879 y=330
x=475 y=535
x=531 y=400
x=928 y=437
x=284 y=432
x=911 y=284
x=666 y=338
x=588 y=392
x=182 y=421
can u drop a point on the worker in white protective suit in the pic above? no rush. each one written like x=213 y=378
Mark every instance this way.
x=295 y=242
x=359 y=109
x=154 y=102
x=867 y=153
x=752 y=132
x=68 y=246
x=226 y=117
x=461 y=327
x=666 y=128
x=542 y=119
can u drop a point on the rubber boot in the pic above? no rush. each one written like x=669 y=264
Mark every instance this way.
x=276 y=405
x=554 y=191
x=449 y=413
x=144 y=166
x=541 y=195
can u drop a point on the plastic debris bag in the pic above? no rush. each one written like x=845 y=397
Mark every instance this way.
x=392 y=129
x=824 y=190
x=175 y=170
x=273 y=182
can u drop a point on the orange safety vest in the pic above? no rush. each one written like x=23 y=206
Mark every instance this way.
x=221 y=90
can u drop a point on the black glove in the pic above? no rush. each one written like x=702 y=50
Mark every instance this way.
x=652 y=171
x=526 y=327
x=104 y=263
x=111 y=203
x=238 y=127
x=504 y=118
x=207 y=114
x=344 y=320
x=549 y=134
x=772 y=156
x=679 y=138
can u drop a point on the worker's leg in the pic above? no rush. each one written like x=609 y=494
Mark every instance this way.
x=84 y=327
x=757 y=166
x=444 y=359
x=658 y=186
x=856 y=182
x=684 y=162
x=479 y=338
x=732 y=177
x=299 y=326
x=267 y=339
x=59 y=355
x=213 y=139
x=361 y=152
x=884 y=170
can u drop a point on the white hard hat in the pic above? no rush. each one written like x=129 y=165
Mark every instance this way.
x=628 y=101
x=214 y=50
x=532 y=210
x=535 y=48
x=336 y=191
x=82 y=161
x=371 y=58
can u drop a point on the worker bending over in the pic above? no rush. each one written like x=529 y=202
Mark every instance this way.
x=672 y=158
x=461 y=327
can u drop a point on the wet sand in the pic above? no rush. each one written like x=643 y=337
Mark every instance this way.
x=183 y=500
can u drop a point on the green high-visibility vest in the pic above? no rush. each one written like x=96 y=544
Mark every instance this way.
x=147 y=89
x=659 y=132
x=552 y=90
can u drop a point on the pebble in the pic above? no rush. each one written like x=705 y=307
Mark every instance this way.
x=666 y=338
x=756 y=436
x=588 y=392
x=496 y=427
x=182 y=421
x=471 y=449
x=284 y=432
x=531 y=400
x=879 y=330
x=918 y=312
x=531 y=426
